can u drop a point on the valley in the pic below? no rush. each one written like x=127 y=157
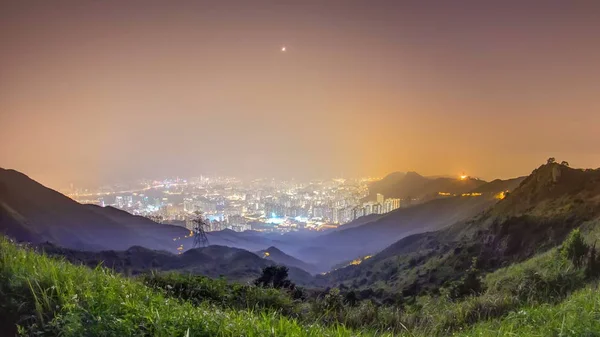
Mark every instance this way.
x=453 y=252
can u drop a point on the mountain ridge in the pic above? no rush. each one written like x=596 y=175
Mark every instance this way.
x=535 y=216
x=34 y=213
x=412 y=185
x=213 y=261
x=276 y=255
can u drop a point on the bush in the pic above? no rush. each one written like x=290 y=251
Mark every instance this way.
x=198 y=289
x=574 y=248
x=275 y=277
x=469 y=284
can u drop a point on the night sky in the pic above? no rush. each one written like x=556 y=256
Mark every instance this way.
x=102 y=91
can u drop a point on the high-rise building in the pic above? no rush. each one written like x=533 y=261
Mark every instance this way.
x=377 y=209
x=189 y=205
x=119 y=202
x=336 y=215
x=273 y=210
x=215 y=226
x=347 y=215
x=368 y=208
x=205 y=205
x=129 y=200
x=190 y=223
x=380 y=198
x=391 y=204
x=236 y=220
x=395 y=203
x=358 y=212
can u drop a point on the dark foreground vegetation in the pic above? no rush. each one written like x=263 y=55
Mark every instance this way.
x=551 y=294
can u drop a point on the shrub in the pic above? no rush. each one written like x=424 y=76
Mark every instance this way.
x=198 y=289
x=469 y=284
x=275 y=277
x=592 y=266
x=574 y=248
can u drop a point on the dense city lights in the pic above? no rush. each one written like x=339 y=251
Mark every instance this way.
x=230 y=203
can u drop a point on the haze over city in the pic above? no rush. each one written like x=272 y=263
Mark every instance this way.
x=96 y=92
x=299 y=168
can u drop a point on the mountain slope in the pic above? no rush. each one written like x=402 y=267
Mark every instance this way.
x=212 y=261
x=498 y=185
x=359 y=222
x=98 y=303
x=414 y=186
x=397 y=185
x=348 y=244
x=33 y=213
x=536 y=216
x=279 y=257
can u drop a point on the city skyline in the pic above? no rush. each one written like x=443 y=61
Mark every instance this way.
x=229 y=203
x=96 y=92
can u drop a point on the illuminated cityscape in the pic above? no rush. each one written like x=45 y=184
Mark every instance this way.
x=230 y=203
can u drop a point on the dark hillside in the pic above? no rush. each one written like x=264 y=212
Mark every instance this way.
x=370 y=238
x=536 y=216
x=33 y=213
x=212 y=261
x=498 y=185
x=414 y=186
x=279 y=257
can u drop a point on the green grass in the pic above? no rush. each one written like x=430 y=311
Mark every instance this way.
x=49 y=297
x=198 y=289
x=578 y=315
x=543 y=296
x=545 y=278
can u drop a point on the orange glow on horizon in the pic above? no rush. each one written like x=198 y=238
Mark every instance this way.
x=99 y=81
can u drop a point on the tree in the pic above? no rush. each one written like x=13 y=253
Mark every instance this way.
x=564 y=163
x=469 y=284
x=275 y=277
x=551 y=160
x=574 y=248
x=199 y=229
x=351 y=298
x=593 y=265
x=334 y=300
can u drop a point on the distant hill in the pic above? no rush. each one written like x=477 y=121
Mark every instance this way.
x=279 y=257
x=212 y=261
x=371 y=237
x=397 y=185
x=497 y=186
x=90 y=234
x=33 y=213
x=415 y=186
x=359 y=222
x=535 y=216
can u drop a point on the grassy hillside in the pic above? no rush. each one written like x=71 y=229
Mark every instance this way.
x=506 y=272
x=543 y=296
x=533 y=218
x=50 y=297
